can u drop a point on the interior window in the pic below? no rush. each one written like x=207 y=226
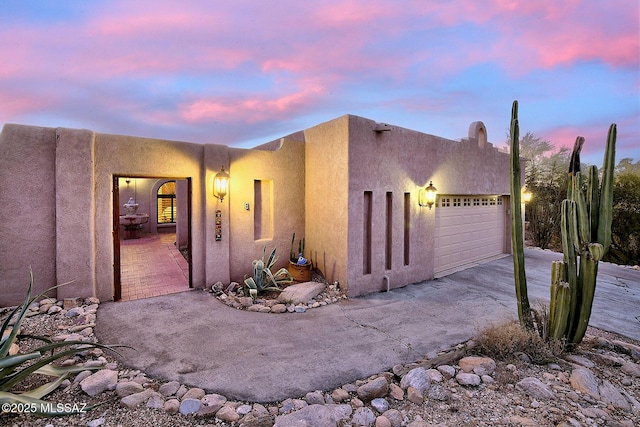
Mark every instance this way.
x=167 y=203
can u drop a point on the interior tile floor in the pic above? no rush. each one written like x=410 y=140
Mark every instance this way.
x=152 y=265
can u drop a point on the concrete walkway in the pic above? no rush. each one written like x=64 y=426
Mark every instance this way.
x=193 y=338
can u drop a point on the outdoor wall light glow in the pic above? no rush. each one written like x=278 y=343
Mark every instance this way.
x=526 y=195
x=221 y=184
x=427 y=196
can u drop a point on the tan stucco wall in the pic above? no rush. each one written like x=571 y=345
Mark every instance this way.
x=28 y=227
x=283 y=165
x=75 y=213
x=123 y=155
x=57 y=183
x=396 y=161
x=326 y=197
x=403 y=161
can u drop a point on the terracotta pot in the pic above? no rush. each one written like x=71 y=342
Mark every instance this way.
x=300 y=273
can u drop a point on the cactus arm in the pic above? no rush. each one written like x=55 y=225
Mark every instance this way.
x=561 y=314
x=291 y=254
x=588 y=273
x=555 y=279
x=606 y=191
x=559 y=305
x=574 y=164
x=593 y=201
x=569 y=252
x=586 y=233
x=582 y=211
x=517 y=241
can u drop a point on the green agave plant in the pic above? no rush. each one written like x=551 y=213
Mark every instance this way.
x=263 y=279
x=15 y=368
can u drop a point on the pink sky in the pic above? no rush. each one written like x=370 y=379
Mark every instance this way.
x=242 y=73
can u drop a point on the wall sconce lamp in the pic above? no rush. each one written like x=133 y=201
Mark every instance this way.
x=526 y=195
x=221 y=184
x=127 y=180
x=427 y=196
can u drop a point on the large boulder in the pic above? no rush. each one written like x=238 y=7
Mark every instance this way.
x=301 y=293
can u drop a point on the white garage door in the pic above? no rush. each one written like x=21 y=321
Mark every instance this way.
x=468 y=229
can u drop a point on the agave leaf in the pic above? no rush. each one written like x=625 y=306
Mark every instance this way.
x=78 y=346
x=272 y=259
x=43 y=390
x=18 y=359
x=271 y=279
x=57 y=371
x=250 y=283
x=283 y=276
x=10 y=381
x=21 y=310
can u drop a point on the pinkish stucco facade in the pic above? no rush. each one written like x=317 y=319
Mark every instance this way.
x=349 y=190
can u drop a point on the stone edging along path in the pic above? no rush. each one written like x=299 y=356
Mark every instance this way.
x=450 y=377
x=296 y=298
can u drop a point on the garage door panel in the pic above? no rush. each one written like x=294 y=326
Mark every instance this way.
x=468 y=229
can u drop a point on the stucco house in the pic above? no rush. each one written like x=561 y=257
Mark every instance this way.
x=350 y=186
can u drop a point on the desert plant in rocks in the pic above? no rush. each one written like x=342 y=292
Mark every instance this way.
x=509 y=342
x=586 y=237
x=263 y=278
x=586 y=217
x=517 y=234
x=17 y=368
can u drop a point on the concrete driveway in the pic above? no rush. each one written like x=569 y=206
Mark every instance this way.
x=192 y=338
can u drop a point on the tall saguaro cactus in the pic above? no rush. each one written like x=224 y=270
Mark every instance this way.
x=517 y=235
x=586 y=236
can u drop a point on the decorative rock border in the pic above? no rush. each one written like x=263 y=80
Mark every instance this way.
x=233 y=296
x=441 y=381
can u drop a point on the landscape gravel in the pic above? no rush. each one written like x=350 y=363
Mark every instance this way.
x=596 y=385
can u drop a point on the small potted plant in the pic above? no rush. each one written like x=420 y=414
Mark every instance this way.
x=299 y=266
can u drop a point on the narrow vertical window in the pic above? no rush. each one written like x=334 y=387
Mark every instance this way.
x=262 y=210
x=366 y=246
x=388 y=235
x=166 y=199
x=407 y=227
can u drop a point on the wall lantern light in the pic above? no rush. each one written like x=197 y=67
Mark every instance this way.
x=526 y=195
x=221 y=184
x=427 y=196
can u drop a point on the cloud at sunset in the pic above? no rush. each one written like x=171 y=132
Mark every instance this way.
x=251 y=71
